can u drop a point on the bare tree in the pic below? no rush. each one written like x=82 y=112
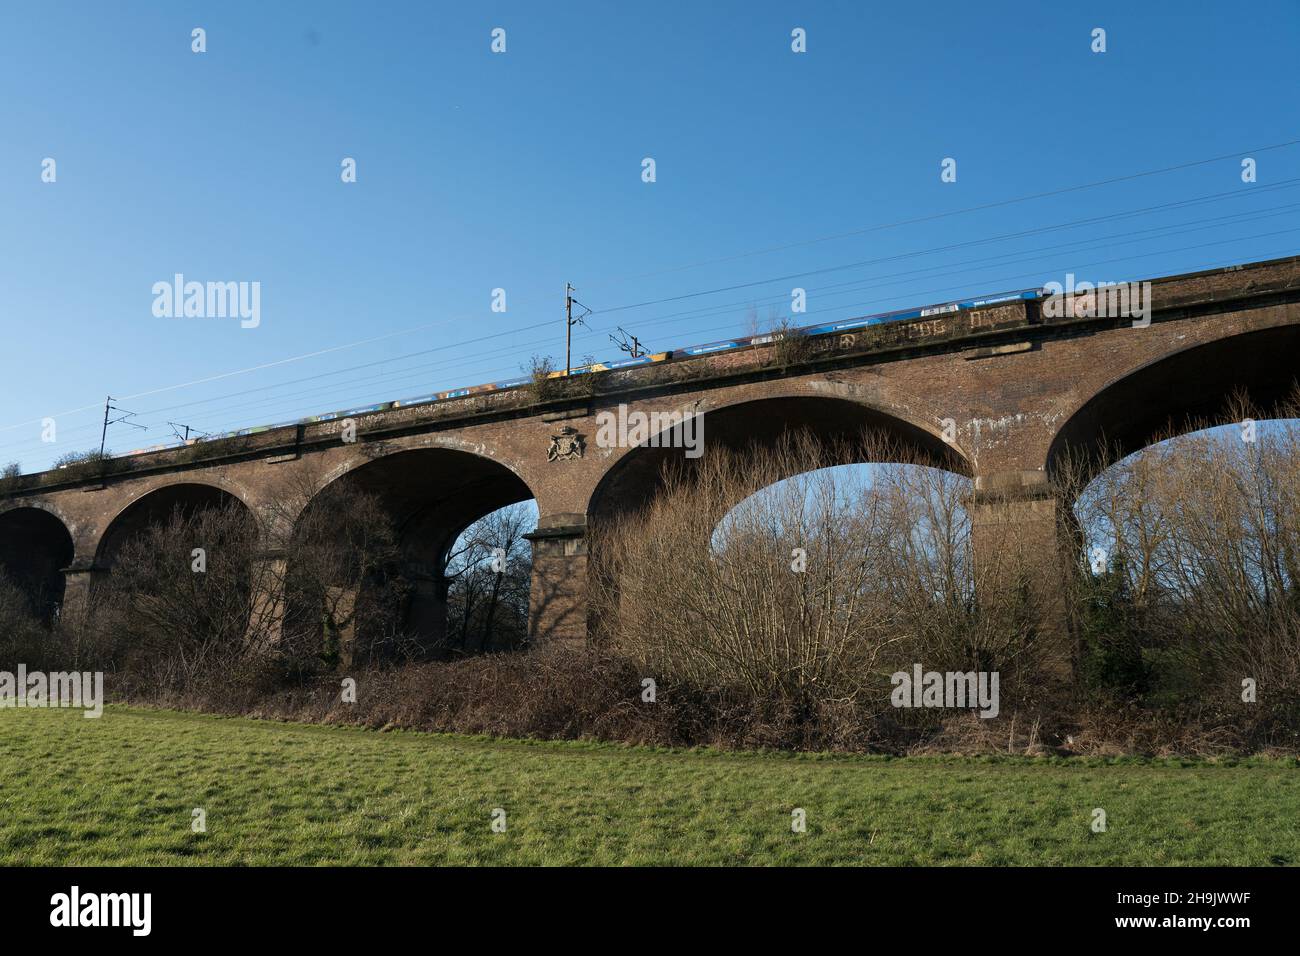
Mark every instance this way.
x=489 y=575
x=812 y=590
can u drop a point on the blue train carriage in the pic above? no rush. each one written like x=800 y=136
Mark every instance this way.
x=631 y=362
x=862 y=322
x=729 y=345
x=512 y=383
x=712 y=347
x=709 y=348
x=848 y=325
x=362 y=410
x=418 y=400
x=944 y=309
x=906 y=315
x=1001 y=298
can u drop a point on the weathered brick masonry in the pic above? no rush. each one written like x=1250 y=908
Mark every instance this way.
x=1021 y=390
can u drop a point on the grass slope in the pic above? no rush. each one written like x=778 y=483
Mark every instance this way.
x=120 y=790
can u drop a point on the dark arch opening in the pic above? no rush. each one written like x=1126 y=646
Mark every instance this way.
x=427 y=498
x=1182 y=393
x=156 y=508
x=35 y=548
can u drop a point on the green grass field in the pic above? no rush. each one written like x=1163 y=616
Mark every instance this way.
x=121 y=790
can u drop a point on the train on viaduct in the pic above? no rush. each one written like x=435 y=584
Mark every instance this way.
x=998 y=389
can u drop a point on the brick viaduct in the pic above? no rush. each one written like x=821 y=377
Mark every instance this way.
x=1022 y=388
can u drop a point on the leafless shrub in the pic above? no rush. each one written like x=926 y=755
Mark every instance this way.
x=814 y=591
x=545 y=384
x=776 y=623
x=177 y=601
x=339 y=570
x=1195 y=562
x=11 y=477
x=212 y=602
x=789 y=345
x=81 y=465
x=560 y=693
x=22 y=638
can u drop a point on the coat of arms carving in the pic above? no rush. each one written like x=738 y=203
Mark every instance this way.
x=566 y=445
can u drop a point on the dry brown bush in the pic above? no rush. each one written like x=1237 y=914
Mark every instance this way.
x=555 y=693
x=1200 y=591
x=888 y=580
x=1201 y=540
x=169 y=624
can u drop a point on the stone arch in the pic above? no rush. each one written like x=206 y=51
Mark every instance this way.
x=1178 y=393
x=429 y=494
x=36 y=547
x=827 y=415
x=157 y=505
x=42 y=504
x=834 y=417
x=213 y=477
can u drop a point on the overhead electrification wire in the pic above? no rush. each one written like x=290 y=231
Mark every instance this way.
x=875 y=282
x=714 y=261
x=1019 y=276
x=1217 y=264
x=1289 y=183
x=961 y=212
x=1118 y=238
x=1211 y=197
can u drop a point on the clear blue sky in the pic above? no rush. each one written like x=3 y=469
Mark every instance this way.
x=523 y=171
